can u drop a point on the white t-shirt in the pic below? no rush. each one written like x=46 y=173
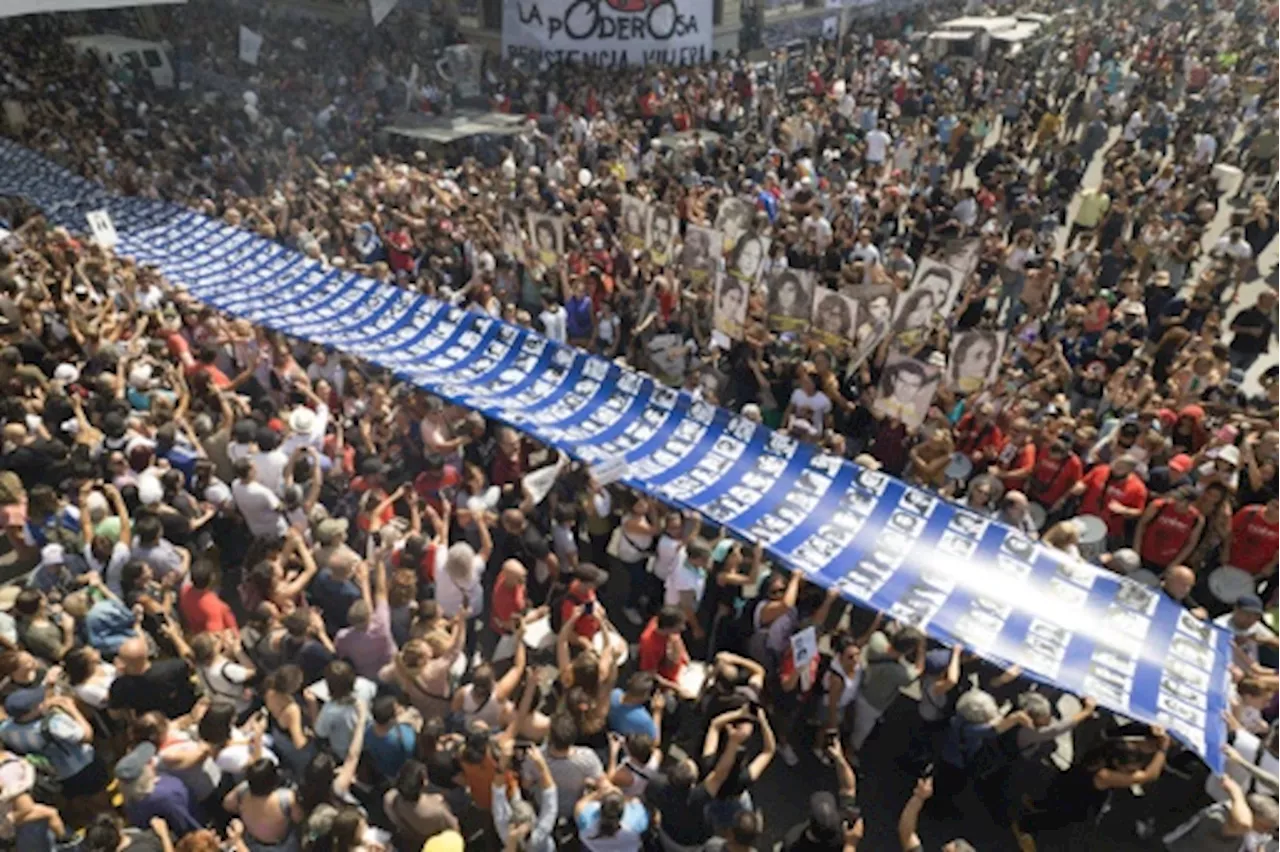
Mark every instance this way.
x=449 y=593
x=811 y=407
x=260 y=507
x=878 y=145
x=671 y=552
x=554 y=324
x=686 y=578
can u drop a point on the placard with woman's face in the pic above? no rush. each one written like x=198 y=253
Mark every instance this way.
x=511 y=233
x=730 y=313
x=748 y=259
x=835 y=317
x=547 y=233
x=790 y=299
x=975 y=359
x=703 y=248
x=634 y=227
x=927 y=303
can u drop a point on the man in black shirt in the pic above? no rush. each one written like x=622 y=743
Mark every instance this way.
x=1252 y=330
x=143 y=686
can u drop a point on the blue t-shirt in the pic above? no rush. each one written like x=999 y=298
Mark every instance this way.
x=628 y=719
x=390 y=751
x=334 y=597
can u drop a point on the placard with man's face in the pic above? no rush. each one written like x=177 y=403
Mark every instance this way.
x=703 y=248
x=663 y=227
x=635 y=223
x=834 y=317
x=730 y=313
x=547 y=233
x=733 y=219
x=907 y=386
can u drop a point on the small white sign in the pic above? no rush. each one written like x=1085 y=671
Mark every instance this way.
x=610 y=471
x=804 y=648
x=102 y=228
x=250 y=45
x=379 y=9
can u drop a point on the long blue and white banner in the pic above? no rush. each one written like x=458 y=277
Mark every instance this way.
x=885 y=545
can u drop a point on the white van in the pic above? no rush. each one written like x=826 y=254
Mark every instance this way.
x=124 y=52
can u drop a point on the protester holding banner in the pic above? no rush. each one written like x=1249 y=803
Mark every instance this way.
x=151 y=433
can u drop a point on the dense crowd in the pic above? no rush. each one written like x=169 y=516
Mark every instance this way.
x=281 y=601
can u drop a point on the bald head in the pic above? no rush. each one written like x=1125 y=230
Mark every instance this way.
x=515 y=570
x=1178 y=581
x=133 y=656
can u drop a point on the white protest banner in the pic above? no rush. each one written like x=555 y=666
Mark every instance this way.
x=379 y=9
x=102 y=228
x=608 y=33
x=13 y=8
x=610 y=470
x=250 y=45
x=464 y=67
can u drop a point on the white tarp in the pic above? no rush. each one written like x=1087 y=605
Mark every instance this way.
x=13 y=8
x=379 y=9
x=609 y=33
x=250 y=45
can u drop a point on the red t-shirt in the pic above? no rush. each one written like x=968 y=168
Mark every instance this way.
x=788 y=667
x=1021 y=458
x=1167 y=532
x=588 y=625
x=1100 y=490
x=1051 y=478
x=508 y=601
x=1253 y=540
x=653 y=653
x=204 y=612
x=970 y=437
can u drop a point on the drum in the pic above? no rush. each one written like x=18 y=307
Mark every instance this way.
x=1227 y=176
x=1228 y=584
x=959 y=468
x=1093 y=537
x=1037 y=514
x=1146 y=577
x=621 y=651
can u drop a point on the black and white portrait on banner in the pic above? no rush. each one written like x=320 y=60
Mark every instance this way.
x=747 y=261
x=733 y=219
x=790 y=299
x=635 y=223
x=730 y=306
x=547 y=234
x=834 y=317
x=907 y=386
x=512 y=233
x=663 y=226
x=703 y=248
x=873 y=317
x=926 y=304
x=975 y=359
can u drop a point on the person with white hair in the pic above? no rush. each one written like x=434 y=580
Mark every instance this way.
x=519 y=826
x=459 y=571
x=974 y=747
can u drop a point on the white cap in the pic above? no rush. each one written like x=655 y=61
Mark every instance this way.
x=53 y=554
x=66 y=373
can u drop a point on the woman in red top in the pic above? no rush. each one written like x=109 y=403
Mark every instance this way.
x=661 y=649
x=1169 y=530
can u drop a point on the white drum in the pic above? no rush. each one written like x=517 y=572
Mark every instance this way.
x=959 y=468
x=1228 y=584
x=1227 y=176
x=1037 y=514
x=1093 y=537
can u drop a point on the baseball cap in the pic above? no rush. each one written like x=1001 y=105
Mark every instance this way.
x=1249 y=603
x=134 y=763
x=1125 y=561
x=329 y=530
x=23 y=701
x=1180 y=464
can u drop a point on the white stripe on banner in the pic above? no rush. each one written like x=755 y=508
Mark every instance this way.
x=883 y=544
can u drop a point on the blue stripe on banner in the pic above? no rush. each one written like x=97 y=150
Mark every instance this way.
x=827 y=506
x=879 y=543
x=779 y=490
